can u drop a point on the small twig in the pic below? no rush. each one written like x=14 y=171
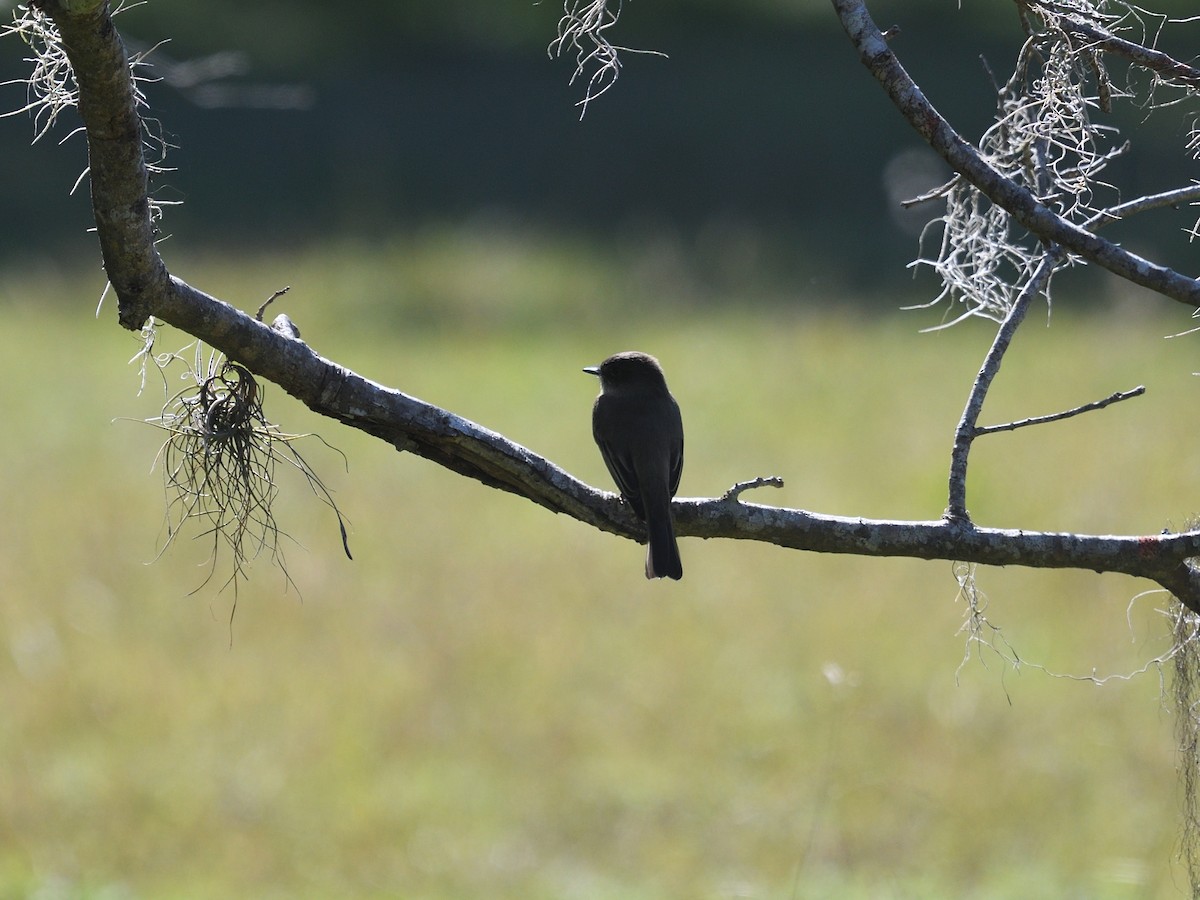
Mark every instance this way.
x=1156 y=61
x=1066 y=414
x=932 y=194
x=742 y=486
x=1175 y=198
x=275 y=296
x=967 y=428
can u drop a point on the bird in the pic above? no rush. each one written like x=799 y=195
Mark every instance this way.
x=638 y=428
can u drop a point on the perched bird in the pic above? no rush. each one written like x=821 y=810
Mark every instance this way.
x=636 y=424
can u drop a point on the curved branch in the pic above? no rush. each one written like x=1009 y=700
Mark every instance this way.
x=403 y=421
x=1163 y=558
x=145 y=288
x=1022 y=205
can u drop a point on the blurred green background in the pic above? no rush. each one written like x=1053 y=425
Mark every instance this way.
x=761 y=149
x=491 y=701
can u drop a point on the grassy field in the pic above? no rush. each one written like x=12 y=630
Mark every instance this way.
x=491 y=701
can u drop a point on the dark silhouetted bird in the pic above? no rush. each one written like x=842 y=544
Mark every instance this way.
x=636 y=424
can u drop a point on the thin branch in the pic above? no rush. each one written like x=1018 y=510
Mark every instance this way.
x=1065 y=414
x=1162 y=64
x=1019 y=202
x=1173 y=198
x=968 y=429
x=275 y=296
x=931 y=194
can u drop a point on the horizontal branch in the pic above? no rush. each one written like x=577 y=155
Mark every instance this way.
x=944 y=539
x=1020 y=203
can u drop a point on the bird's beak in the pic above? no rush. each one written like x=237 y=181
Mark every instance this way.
x=593 y=370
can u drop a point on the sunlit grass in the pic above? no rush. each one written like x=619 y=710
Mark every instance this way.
x=492 y=701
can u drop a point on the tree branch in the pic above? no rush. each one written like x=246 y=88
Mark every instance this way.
x=145 y=288
x=1174 y=198
x=1022 y=205
x=1065 y=414
x=1163 y=558
x=1152 y=556
x=968 y=430
x=120 y=195
x=1156 y=61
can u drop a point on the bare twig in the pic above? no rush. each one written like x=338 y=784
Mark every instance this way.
x=1065 y=414
x=275 y=296
x=968 y=429
x=735 y=492
x=1162 y=64
x=931 y=194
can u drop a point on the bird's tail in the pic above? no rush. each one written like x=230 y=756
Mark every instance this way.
x=662 y=556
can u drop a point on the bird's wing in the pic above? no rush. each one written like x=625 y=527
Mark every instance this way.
x=621 y=469
x=676 y=468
